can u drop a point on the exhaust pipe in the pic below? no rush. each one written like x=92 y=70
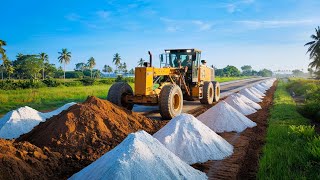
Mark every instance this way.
x=150 y=57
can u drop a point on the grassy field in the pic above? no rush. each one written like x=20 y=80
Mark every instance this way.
x=48 y=98
x=286 y=154
x=51 y=98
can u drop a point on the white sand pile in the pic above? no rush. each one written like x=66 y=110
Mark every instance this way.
x=257 y=91
x=23 y=120
x=254 y=93
x=240 y=105
x=59 y=110
x=250 y=95
x=19 y=121
x=139 y=156
x=224 y=118
x=247 y=101
x=192 y=141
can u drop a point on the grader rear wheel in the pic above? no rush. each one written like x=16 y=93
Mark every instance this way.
x=170 y=101
x=216 y=87
x=117 y=93
x=208 y=93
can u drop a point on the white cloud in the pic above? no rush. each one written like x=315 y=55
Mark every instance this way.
x=236 y=6
x=257 y=24
x=179 y=25
x=103 y=14
x=73 y=17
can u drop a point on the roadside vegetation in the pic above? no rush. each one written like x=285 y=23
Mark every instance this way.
x=309 y=91
x=292 y=148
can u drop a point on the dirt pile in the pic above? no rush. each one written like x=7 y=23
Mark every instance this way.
x=88 y=130
x=26 y=161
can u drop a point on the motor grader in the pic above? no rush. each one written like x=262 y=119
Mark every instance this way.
x=181 y=76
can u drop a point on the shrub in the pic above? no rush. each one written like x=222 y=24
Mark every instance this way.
x=87 y=81
x=314 y=148
x=310 y=109
x=107 y=81
x=303 y=131
x=51 y=82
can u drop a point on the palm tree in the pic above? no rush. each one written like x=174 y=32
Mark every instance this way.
x=124 y=67
x=91 y=64
x=314 y=48
x=64 y=58
x=45 y=59
x=140 y=62
x=2 y=69
x=2 y=51
x=316 y=61
x=117 y=60
x=109 y=69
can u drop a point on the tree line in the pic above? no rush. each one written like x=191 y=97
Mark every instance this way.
x=247 y=70
x=36 y=66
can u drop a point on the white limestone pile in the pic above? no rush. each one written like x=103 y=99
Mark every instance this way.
x=19 y=121
x=23 y=120
x=139 y=156
x=224 y=118
x=250 y=95
x=240 y=105
x=192 y=141
x=261 y=88
x=59 y=110
x=257 y=91
x=247 y=101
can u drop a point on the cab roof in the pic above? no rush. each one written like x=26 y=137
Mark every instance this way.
x=183 y=50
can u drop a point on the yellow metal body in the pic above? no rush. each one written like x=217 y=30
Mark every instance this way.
x=145 y=92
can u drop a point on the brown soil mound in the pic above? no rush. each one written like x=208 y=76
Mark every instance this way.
x=86 y=131
x=26 y=161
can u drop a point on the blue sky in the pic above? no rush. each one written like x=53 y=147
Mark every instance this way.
x=264 y=34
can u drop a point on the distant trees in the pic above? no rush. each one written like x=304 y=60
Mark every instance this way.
x=64 y=58
x=246 y=71
x=80 y=66
x=297 y=72
x=140 y=62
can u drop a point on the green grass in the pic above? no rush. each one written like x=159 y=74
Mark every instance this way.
x=226 y=79
x=48 y=98
x=285 y=154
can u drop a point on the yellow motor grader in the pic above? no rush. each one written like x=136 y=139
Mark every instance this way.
x=181 y=76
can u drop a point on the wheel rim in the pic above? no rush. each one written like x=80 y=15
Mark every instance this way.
x=211 y=92
x=176 y=102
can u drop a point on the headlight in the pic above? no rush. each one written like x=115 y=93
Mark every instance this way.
x=188 y=50
x=167 y=51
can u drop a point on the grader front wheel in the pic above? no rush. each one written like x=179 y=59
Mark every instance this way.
x=170 y=101
x=117 y=93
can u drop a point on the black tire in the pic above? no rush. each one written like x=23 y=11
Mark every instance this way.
x=208 y=93
x=170 y=101
x=117 y=93
x=216 y=86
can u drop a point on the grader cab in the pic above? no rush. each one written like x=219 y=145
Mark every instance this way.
x=181 y=76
